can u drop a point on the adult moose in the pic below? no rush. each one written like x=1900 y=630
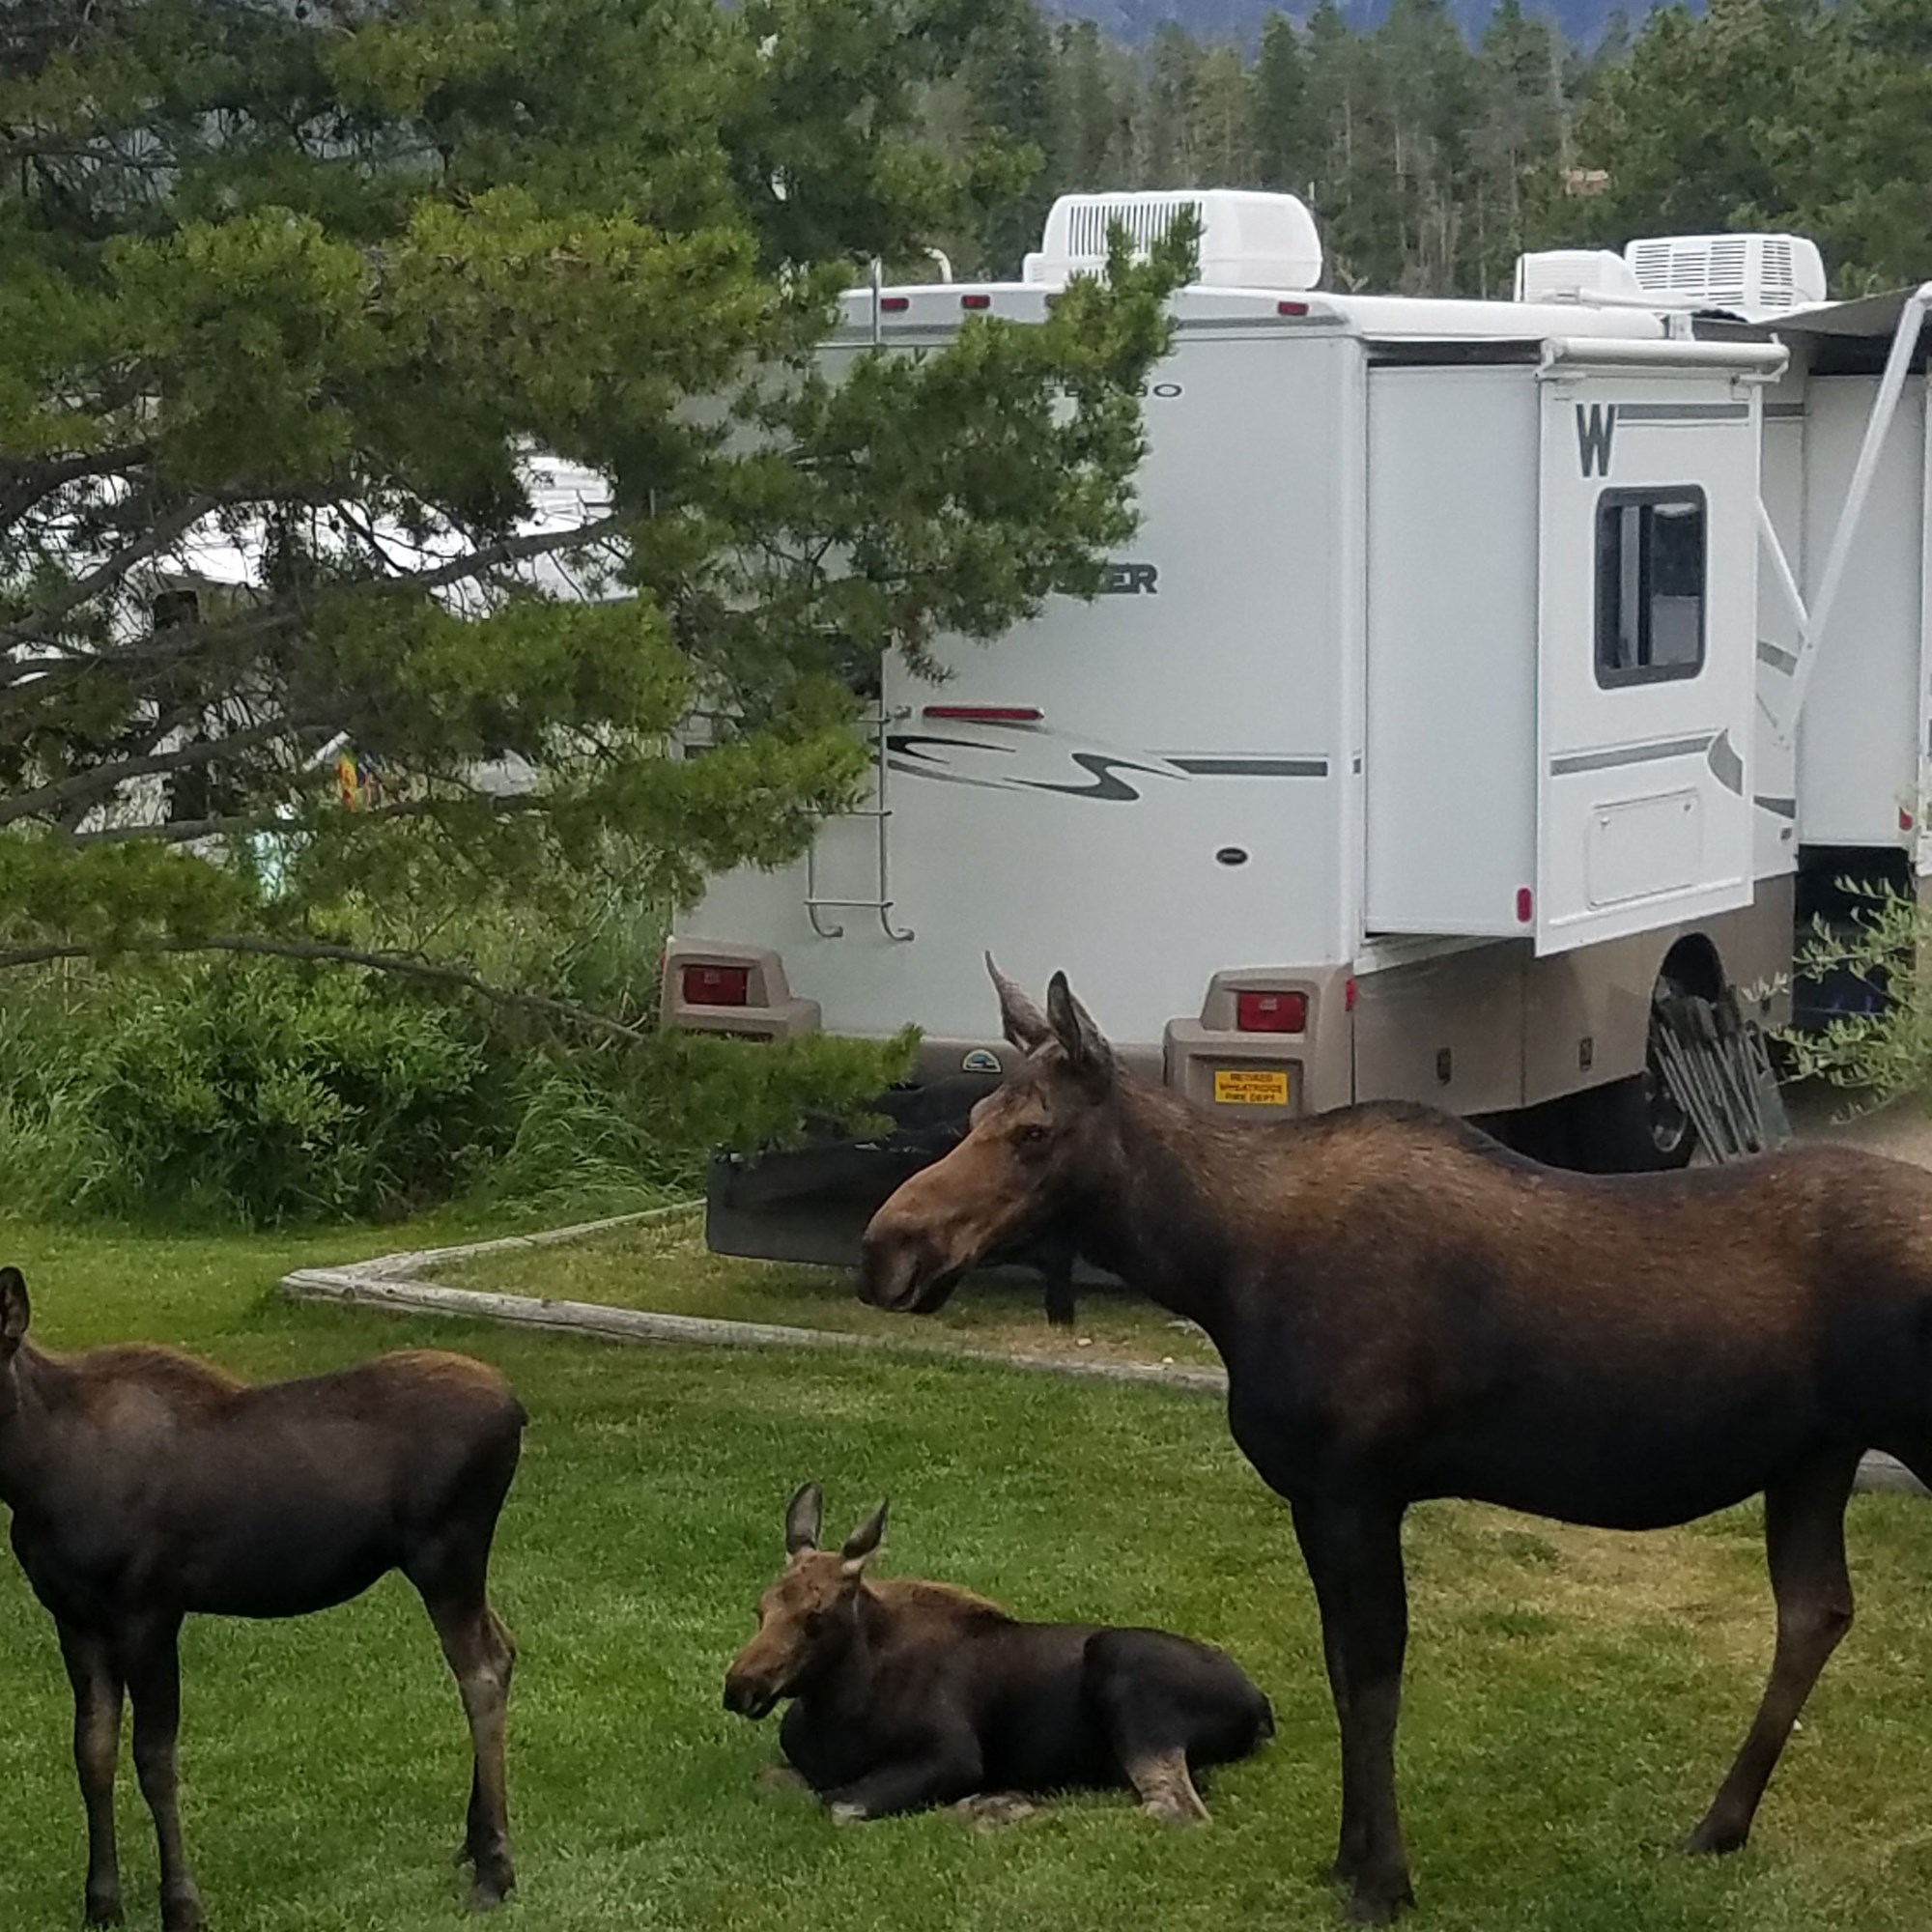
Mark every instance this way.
x=145 y=1485
x=907 y=1693
x=1408 y=1310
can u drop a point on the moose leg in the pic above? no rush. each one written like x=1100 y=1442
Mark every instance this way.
x=1805 y=1544
x=151 y=1661
x=1354 y=1550
x=1056 y=1266
x=482 y=1658
x=1152 y=1717
x=97 y=1749
x=945 y=1772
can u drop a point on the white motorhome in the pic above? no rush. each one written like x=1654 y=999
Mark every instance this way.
x=1479 y=668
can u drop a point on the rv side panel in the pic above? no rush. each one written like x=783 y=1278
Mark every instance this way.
x=1152 y=789
x=1451 y=649
x=1858 y=741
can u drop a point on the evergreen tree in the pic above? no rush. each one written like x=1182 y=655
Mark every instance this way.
x=290 y=303
x=1286 y=149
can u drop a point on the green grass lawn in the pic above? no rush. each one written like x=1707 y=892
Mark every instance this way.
x=666 y=1268
x=1573 y=1700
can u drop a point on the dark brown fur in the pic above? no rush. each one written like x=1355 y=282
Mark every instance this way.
x=1408 y=1310
x=907 y=1693
x=146 y=1486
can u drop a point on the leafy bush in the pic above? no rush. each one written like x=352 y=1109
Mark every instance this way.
x=1887 y=946
x=593 y=1130
x=239 y=1091
x=250 y=1092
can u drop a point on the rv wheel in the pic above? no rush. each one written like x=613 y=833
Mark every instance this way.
x=1634 y=1125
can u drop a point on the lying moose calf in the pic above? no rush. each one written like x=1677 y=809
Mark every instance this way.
x=908 y=1694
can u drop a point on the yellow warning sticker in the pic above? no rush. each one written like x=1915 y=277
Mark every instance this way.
x=1251 y=1086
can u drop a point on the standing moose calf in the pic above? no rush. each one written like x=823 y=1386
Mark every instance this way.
x=908 y=1694
x=1408 y=1310
x=145 y=1485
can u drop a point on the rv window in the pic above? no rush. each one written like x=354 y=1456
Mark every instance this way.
x=1649 y=585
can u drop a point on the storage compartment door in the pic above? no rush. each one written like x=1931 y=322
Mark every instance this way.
x=1646 y=655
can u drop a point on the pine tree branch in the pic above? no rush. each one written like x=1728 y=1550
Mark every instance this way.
x=97 y=779
x=28 y=484
x=105 y=576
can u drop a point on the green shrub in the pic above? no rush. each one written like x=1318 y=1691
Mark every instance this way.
x=241 y=1092
x=264 y=1093
x=1887 y=946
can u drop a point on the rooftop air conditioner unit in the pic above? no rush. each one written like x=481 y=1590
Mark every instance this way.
x=1575 y=274
x=1751 y=275
x=1248 y=240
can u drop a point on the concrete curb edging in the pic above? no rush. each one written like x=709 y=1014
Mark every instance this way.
x=393 y=1282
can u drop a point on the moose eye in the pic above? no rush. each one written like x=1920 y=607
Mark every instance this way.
x=1033 y=1134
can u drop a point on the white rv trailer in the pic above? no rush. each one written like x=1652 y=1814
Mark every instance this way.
x=1479 y=667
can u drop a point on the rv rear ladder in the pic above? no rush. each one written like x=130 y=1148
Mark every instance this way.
x=880 y=812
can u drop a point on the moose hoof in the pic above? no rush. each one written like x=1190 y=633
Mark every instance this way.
x=1371 y=1904
x=180 y=1912
x=988 y=1810
x=843 y=1813
x=104 y=1907
x=1174 y=1809
x=1713 y=1838
x=489 y=1891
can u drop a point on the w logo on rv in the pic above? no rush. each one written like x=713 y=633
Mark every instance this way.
x=1596 y=425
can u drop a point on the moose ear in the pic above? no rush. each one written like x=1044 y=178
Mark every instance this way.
x=863 y=1542
x=14 y=1311
x=801 y=1514
x=1020 y=1020
x=1086 y=1050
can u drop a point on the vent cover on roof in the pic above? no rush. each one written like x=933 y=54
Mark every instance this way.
x=1248 y=240
x=1754 y=276
x=1575 y=274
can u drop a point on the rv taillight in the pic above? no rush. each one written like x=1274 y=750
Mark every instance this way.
x=975 y=301
x=894 y=304
x=1271 y=1012
x=1290 y=308
x=717 y=986
x=1525 y=906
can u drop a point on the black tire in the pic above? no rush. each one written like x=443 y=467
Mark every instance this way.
x=1634 y=1125
x=1631 y=1126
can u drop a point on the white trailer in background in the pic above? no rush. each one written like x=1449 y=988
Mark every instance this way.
x=1480 y=668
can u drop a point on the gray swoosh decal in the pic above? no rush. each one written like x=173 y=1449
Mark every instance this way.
x=1628 y=754
x=1777 y=657
x=1252 y=767
x=1726 y=767
x=1784 y=808
x=908 y=746
x=1106 y=786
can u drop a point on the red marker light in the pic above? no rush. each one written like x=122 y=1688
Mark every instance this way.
x=985 y=714
x=975 y=301
x=1290 y=308
x=1271 y=1012
x=717 y=986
